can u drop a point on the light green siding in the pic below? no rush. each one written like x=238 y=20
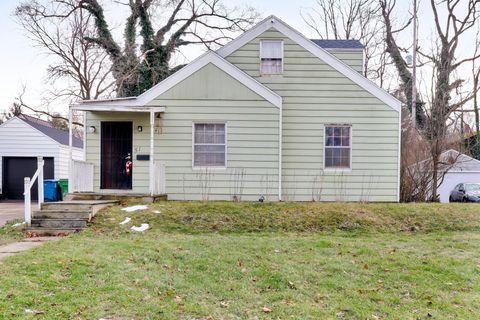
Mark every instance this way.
x=352 y=57
x=209 y=95
x=314 y=94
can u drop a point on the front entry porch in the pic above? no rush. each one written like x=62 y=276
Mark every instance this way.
x=119 y=152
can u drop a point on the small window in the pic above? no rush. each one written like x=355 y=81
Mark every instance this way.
x=209 y=147
x=271 y=56
x=338 y=147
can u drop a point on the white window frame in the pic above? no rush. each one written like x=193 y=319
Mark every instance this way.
x=193 y=146
x=283 y=57
x=349 y=168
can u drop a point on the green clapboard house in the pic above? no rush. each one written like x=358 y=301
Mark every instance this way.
x=271 y=115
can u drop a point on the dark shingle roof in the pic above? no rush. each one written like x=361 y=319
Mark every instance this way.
x=338 y=44
x=46 y=128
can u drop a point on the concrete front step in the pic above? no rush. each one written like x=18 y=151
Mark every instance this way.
x=59 y=223
x=62 y=214
x=94 y=205
x=65 y=217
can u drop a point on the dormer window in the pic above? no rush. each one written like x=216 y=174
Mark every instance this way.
x=271 y=57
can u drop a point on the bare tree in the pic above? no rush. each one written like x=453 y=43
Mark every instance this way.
x=14 y=110
x=445 y=95
x=20 y=106
x=350 y=19
x=137 y=68
x=396 y=52
x=80 y=70
x=446 y=84
x=475 y=84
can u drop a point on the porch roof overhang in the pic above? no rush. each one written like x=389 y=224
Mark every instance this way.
x=117 y=106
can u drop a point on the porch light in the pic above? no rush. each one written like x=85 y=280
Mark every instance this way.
x=140 y=128
x=92 y=129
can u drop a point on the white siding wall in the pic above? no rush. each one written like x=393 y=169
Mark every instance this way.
x=18 y=139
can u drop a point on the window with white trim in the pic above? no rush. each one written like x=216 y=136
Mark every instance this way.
x=271 y=57
x=338 y=147
x=209 y=145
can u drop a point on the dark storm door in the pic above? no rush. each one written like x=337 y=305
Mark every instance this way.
x=15 y=169
x=116 y=145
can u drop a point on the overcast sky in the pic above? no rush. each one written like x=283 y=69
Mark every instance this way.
x=21 y=64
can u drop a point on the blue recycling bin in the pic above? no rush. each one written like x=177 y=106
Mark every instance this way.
x=51 y=190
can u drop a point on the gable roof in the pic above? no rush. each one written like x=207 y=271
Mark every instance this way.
x=312 y=47
x=462 y=162
x=452 y=161
x=338 y=44
x=47 y=129
x=183 y=73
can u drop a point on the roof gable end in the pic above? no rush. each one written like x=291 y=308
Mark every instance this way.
x=209 y=57
x=48 y=130
x=315 y=49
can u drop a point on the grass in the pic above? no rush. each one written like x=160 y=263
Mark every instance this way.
x=229 y=217
x=8 y=233
x=246 y=261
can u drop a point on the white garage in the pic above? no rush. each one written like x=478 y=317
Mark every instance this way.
x=465 y=169
x=22 y=140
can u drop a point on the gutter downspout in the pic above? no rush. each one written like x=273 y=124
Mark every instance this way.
x=152 y=153
x=280 y=143
x=70 y=153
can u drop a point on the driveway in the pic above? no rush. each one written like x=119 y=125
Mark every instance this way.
x=10 y=210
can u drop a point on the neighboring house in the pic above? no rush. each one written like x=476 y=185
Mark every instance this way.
x=22 y=140
x=270 y=114
x=456 y=168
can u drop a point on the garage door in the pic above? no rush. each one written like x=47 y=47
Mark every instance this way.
x=15 y=169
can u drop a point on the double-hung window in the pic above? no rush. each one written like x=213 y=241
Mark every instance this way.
x=209 y=145
x=271 y=57
x=338 y=147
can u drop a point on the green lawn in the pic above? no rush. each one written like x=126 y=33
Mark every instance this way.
x=247 y=261
x=9 y=233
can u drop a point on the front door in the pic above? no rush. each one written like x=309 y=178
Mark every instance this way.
x=116 y=151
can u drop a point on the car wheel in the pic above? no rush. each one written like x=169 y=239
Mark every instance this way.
x=450 y=199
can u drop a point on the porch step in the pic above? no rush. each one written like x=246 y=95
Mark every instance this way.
x=78 y=204
x=60 y=223
x=115 y=196
x=62 y=214
x=65 y=217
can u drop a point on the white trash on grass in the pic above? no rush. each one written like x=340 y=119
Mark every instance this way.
x=156 y=211
x=135 y=208
x=143 y=227
x=18 y=224
x=127 y=220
